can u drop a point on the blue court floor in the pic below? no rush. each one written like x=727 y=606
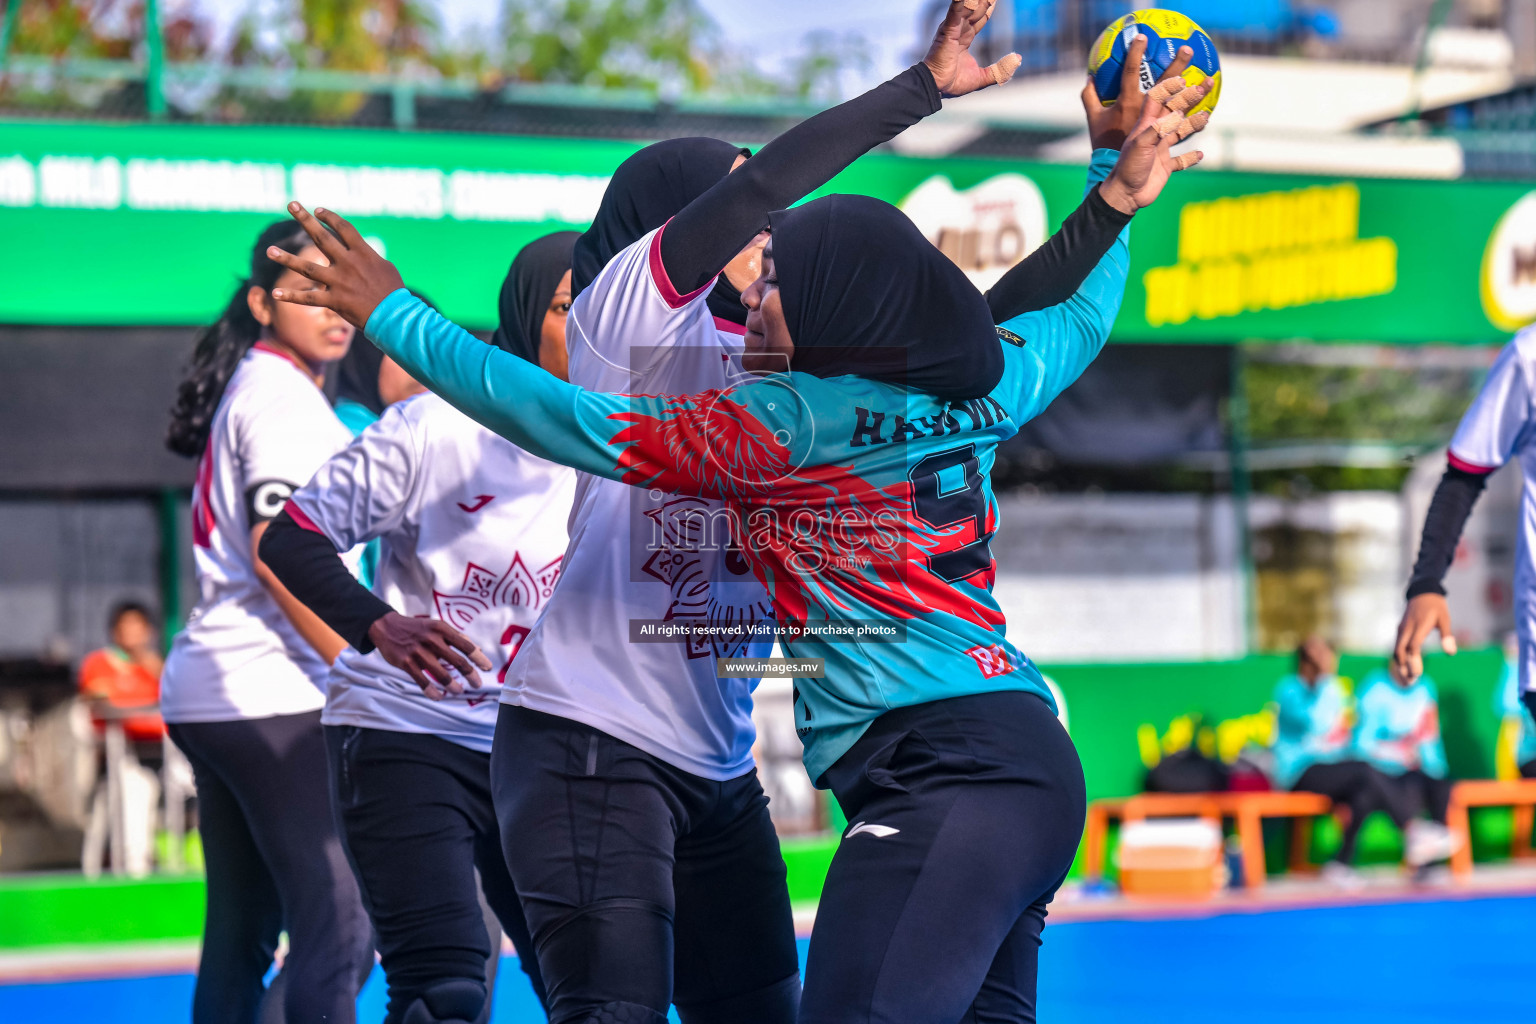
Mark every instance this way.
x=1471 y=960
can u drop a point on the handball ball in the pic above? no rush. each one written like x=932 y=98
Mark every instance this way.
x=1166 y=31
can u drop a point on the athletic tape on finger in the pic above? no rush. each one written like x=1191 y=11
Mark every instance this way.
x=1190 y=125
x=1186 y=98
x=1168 y=124
x=1163 y=91
x=1004 y=69
x=1185 y=161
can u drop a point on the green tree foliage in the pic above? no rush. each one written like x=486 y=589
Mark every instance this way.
x=825 y=57
x=372 y=36
x=344 y=35
x=670 y=45
x=1301 y=403
x=103 y=29
x=667 y=46
x=93 y=29
x=1291 y=402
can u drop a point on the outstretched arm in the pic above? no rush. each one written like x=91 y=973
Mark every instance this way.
x=1427 y=610
x=1492 y=430
x=714 y=444
x=1055 y=345
x=703 y=238
x=1053 y=272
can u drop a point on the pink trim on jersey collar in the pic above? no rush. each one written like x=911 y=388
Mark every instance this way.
x=296 y=363
x=262 y=346
x=669 y=292
x=1468 y=467
x=730 y=327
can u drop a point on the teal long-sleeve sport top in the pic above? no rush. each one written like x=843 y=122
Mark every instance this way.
x=865 y=508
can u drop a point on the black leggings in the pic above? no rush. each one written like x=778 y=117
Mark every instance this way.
x=964 y=816
x=1413 y=793
x=417 y=821
x=274 y=863
x=1359 y=787
x=644 y=885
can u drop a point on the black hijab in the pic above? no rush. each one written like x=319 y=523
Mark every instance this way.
x=357 y=375
x=647 y=190
x=865 y=293
x=528 y=290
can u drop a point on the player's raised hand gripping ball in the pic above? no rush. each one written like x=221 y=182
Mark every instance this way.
x=1166 y=32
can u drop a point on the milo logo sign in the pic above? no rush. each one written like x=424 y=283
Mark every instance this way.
x=1509 y=268
x=986 y=229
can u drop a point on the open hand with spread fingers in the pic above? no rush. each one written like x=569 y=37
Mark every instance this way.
x=1109 y=127
x=353 y=280
x=955 y=70
x=1147 y=160
x=430 y=652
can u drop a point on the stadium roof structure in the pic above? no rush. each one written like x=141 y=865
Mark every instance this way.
x=1496 y=132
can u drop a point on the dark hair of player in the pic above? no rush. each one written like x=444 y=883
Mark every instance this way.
x=222 y=344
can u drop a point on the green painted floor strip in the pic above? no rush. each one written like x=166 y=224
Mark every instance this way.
x=48 y=910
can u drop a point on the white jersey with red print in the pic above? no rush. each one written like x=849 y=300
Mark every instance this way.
x=1497 y=428
x=239 y=656
x=471 y=530
x=645 y=556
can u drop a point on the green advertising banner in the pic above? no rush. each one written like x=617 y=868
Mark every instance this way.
x=150 y=224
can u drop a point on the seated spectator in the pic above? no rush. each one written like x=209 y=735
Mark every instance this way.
x=1314 y=747
x=1399 y=736
x=1515 y=756
x=120 y=681
x=126 y=675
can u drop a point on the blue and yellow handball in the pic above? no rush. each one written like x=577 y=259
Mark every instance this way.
x=1166 y=31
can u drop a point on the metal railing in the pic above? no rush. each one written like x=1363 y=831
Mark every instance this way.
x=1053 y=37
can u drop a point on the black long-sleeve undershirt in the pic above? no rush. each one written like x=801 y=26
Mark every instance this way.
x=1053 y=273
x=309 y=566
x=703 y=238
x=1447 y=517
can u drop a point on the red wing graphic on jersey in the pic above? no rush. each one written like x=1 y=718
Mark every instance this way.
x=821 y=538
x=877 y=557
x=706 y=444
x=479 y=503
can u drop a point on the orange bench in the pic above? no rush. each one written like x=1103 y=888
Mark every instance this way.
x=1247 y=811
x=1517 y=794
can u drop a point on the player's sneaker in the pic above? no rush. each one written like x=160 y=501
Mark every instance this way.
x=1430 y=842
x=1342 y=876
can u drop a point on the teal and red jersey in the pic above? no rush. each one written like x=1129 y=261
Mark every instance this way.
x=865 y=508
